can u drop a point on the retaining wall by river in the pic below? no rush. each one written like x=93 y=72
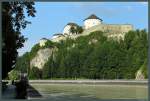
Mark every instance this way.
x=126 y=82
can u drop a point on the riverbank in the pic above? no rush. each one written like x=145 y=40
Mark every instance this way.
x=125 y=82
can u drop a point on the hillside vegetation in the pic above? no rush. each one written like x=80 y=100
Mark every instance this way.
x=91 y=57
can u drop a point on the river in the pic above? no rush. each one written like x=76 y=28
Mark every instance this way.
x=92 y=92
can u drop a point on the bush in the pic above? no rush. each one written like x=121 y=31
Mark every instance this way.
x=13 y=75
x=35 y=73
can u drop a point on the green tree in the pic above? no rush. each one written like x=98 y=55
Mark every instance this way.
x=13 y=75
x=13 y=20
x=23 y=63
x=104 y=59
x=34 y=51
x=144 y=68
x=35 y=73
x=79 y=30
x=72 y=29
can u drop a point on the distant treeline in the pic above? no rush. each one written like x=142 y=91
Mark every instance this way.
x=91 y=57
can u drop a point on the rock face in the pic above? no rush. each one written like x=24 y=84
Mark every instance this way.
x=139 y=75
x=41 y=58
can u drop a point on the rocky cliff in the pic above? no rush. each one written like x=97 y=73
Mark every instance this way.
x=139 y=75
x=42 y=57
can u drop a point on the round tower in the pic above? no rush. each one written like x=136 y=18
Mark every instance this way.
x=67 y=28
x=91 y=21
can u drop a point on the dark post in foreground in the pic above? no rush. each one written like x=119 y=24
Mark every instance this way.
x=21 y=87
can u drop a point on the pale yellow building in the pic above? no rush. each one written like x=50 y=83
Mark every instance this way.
x=42 y=42
x=57 y=37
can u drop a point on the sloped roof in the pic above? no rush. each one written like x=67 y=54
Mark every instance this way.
x=44 y=39
x=93 y=16
x=58 y=34
x=72 y=24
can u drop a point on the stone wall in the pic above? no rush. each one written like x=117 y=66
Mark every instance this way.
x=57 y=39
x=113 y=30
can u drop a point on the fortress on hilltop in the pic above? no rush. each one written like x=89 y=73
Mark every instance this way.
x=91 y=23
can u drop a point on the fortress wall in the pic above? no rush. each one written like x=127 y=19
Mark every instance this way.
x=117 y=28
x=112 y=30
x=57 y=39
x=126 y=28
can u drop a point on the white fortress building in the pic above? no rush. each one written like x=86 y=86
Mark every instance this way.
x=67 y=28
x=43 y=42
x=91 y=21
x=91 y=24
x=57 y=37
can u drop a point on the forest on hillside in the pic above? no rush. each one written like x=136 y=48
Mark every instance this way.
x=94 y=56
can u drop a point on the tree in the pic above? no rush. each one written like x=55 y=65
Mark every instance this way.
x=79 y=29
x=104 y=59
x=144 y=68
x=136 y=46
x=47 y=69
x=13 y=75
x=76 y=29
x=72 y=30
x=23 y=63
x=34 y=51
x=35 y=73
x=13 y=20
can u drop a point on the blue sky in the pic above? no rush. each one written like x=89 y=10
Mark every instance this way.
x=51 y=17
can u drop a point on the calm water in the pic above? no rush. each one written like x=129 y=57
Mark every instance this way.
x=89 y=92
